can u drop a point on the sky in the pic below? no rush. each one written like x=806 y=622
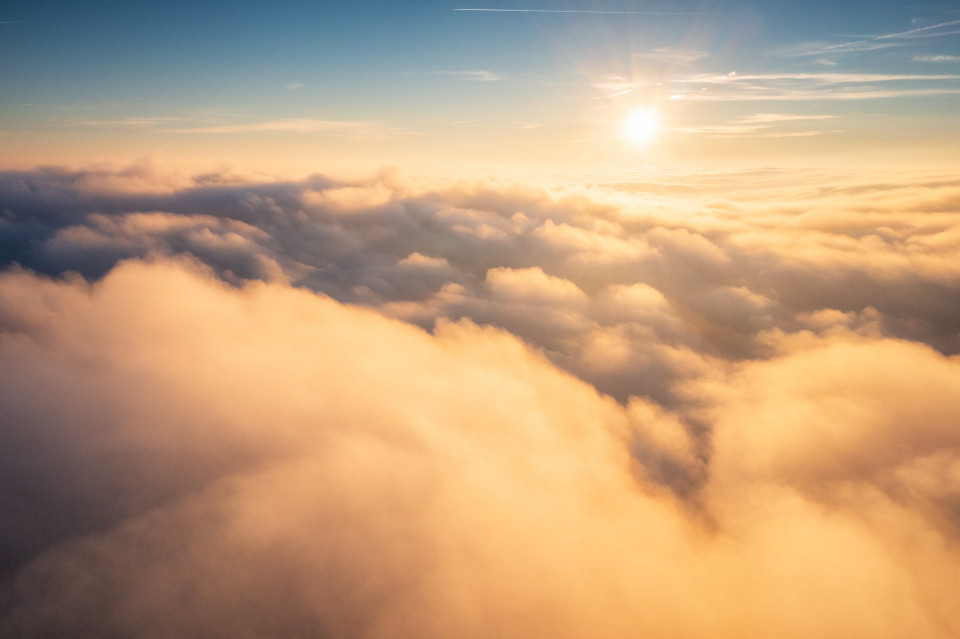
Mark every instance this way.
x=326 y=86
x=560 y=319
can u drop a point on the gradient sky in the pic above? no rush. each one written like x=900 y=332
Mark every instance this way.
x=308 y=86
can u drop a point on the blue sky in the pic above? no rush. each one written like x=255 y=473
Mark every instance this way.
x=430 y=81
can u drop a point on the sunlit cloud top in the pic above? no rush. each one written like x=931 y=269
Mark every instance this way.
x=427 y=407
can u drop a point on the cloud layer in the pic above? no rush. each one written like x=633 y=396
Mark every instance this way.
x=372 y=410
x=630 y=285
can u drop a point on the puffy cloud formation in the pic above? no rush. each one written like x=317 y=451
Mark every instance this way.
x=631 y=285
x=673 y=408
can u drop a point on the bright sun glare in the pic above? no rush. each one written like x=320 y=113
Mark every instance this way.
x=641 y=127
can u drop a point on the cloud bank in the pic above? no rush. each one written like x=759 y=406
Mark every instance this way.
x=672 y=406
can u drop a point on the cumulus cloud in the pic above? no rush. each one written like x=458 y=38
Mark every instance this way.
x=728 y=264
x=701 y=404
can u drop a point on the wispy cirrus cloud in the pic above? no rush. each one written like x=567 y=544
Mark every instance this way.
x=950 y=27
x=936 y=58
x=821 y=79
x=522 y=125
x=874 y=43
x=293 y=125
x=814 y=86
x=762 y=125
x=792 y=86
x=479 y=75
x=134 y=122
x=806 y=96
x=614 y=94
x=674 y=55
x=749 y=131
x=612 y=86
x=769 y=118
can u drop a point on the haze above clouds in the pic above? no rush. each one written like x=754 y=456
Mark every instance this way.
x=700 y=403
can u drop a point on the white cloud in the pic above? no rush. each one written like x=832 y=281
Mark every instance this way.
x=674 y=55
x=476 y=76
x=761 y=125
x=936 y=58
x=815 y=86
x=875 y=43
x=768 y=118
x=292 y=463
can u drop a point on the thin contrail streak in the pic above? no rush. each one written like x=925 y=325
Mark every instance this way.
x=909 y=34
x=645 y=13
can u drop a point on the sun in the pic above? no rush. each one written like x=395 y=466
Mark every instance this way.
x=641 y=127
